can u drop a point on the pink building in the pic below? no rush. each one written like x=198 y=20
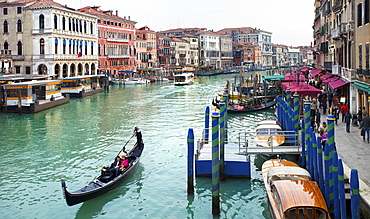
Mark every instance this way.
x=116 y=41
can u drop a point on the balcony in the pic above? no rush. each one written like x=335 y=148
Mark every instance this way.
x=118 y=40
x=18 y=58
x=335 y=34
x=343 y=28
x=337 y=6
x=366 y=72
x=118 y=56
x=359 y=72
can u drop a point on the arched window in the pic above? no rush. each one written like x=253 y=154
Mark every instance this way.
x=80 y=26
x=55 y=22
x=91 y=28
x=64 y=46
x=70 y=24
x=63 y=23
x=56 y=46
x=5 y=28
x=73 y=25
x=41 y=22
x=85 y=27
x=42 y=46
x=19 y=48
x=92 y=48
x=6 y=46
x=76 y=25
x=19 y=26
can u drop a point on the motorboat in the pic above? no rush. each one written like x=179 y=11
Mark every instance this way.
x=290 y=191
x=269 y=134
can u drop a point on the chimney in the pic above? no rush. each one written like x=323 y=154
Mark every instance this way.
x=117 y=13
x=129 y=17
x=88 y=10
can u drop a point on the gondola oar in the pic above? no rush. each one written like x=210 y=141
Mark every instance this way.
x=123 y=148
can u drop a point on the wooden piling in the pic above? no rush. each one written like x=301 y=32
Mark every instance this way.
x=190 y=161
x=215 y=165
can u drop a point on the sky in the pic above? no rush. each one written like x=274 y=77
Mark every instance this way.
x=290 y=21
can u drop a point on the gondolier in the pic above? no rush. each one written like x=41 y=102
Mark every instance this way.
x=139 y=137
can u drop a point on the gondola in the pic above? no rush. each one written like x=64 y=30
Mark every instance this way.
x=241 y=108
x=105 y=182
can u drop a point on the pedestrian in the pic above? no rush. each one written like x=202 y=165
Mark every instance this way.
x=344 y=110
x=336 y=112
x=330 y=99
x=347 y=118
x=366 y=127
x=313 y=108
x=320 y=100
x=359 y=117
x=318 y=117
x=324 y=106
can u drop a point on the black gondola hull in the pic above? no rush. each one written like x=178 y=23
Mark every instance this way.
x=236 y=111
x=96 y=187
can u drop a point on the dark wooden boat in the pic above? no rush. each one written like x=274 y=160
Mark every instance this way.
x=104 y=182
x=242 y=108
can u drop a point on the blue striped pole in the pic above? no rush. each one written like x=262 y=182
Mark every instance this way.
x=303 y=145
x=326 y=170
x=331 y=145
x=190 y=161
x=315 y=169
x=341 y=189
x=288 y=100
x=307 y=123
x=225 y=96
x=296 y=114
x=222 y=137
x=320 y=165
x=206 y=124
x=335 y=186
x=310 y=153
x=355 y=194
x=215 y=165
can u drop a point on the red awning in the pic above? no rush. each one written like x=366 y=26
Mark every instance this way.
x=315 y=72
x=330 y=80
x=337 y=83
x=325 y=76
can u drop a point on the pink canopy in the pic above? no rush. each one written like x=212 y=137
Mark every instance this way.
x=295 y=76
x=315 y=72
x=302 y=89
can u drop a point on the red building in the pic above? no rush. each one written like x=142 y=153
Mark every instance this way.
x=163 y=51
x=146 y=49
x=116 y=41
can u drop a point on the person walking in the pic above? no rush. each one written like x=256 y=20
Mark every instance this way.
x=359 y=117
x=344 y=110
x=318 y=118
x=313 y=108
x=330 y=99
x=366 y=127
x=347 y=118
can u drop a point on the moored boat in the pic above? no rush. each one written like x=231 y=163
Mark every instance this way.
x=269 y=134
x=290 y=192
x=106 y=181
x=251 y=105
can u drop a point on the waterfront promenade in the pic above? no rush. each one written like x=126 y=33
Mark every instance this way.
x=355 y=154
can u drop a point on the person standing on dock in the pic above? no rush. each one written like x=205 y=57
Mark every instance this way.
x=366 y=127
x=347 y=118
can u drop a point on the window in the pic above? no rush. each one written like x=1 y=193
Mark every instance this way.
x=5 y=27
x=73 y=25
x=55 y=22
x=92 y=48
x=28 y=70
x=63 y=23
x=70 y=24
x=41 y=22
x=5 y=11
x=366 y=12
x=360 y=56
x=19 y=10
x=367 y=55
x=359 y=15
x=19 y=26
x=6 y=46
x=19 y=48
x=17 y=69
x=64 y=46
x=85 y=27
x=56 y=46
x=91 y=28
x=42 y=46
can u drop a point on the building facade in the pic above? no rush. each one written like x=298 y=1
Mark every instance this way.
x=209 y=50
x=146 y=49
x=116 y=41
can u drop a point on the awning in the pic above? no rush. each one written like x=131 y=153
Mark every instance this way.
x=326 y=76
x=336 y=84
x=330 y=80
x=362 y=86
x=273 y=77
x=305 y=69
x=315 y=72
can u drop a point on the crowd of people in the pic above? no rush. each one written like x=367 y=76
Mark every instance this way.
x=324 y=103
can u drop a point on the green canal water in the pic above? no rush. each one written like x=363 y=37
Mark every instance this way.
x=72 y=141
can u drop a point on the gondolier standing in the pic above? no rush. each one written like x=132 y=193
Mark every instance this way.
x=139 y=137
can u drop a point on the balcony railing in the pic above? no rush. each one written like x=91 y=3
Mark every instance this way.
x=359 y=71
x=366 y=72
x=118 y=40
x=18 y=58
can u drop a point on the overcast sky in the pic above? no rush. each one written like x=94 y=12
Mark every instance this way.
x=290 y=21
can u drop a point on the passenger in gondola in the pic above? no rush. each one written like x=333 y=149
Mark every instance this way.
x=114 y=167
x=123 y=164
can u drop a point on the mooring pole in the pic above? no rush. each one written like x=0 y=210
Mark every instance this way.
x=355 y=194
x=215 y=165
x=335 y=186
x=222 y=139
x=206 y=125
x=342 y=195
x=307 y=123
x=190 y=161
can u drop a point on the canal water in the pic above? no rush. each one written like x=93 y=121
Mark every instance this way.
x=74 y=140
